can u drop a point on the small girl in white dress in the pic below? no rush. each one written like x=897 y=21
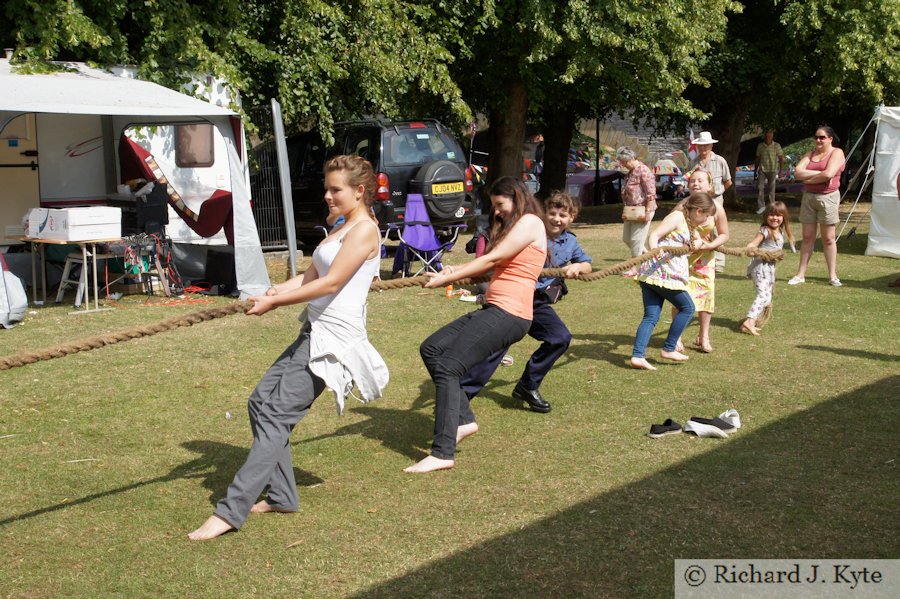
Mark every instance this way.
x=775 y=227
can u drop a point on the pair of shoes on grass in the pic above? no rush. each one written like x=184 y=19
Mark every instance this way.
x=726 y=422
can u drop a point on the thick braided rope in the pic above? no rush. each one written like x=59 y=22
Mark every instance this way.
x=89 y=343
x=596 y=275
x=169 y=324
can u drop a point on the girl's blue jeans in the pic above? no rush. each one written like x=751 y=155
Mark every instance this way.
x=653 y=301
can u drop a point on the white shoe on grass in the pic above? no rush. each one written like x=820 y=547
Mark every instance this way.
x=796 y=280
x=704 y=430
x=731 y=417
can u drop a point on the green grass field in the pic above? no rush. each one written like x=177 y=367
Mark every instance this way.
x=110 y=457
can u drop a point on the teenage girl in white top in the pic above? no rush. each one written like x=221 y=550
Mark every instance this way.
x=335 y=286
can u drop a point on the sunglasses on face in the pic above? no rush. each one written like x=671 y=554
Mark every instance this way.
x=820 y=137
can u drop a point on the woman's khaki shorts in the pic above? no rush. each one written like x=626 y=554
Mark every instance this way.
x=820 y=208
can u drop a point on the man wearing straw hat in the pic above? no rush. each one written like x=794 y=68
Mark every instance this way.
x=719 y=172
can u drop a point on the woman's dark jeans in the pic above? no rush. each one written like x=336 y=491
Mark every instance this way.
x=454 y=349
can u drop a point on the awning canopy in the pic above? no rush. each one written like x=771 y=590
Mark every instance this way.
x=85 y=90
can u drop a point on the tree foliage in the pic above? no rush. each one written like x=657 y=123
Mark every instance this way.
x=582 y=58
x=325 y=60
x=767 y=63
x=791 y=64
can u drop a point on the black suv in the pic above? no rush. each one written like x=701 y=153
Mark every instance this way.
x=408 y=157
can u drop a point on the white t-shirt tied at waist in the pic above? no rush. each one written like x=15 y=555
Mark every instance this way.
x=341 y=355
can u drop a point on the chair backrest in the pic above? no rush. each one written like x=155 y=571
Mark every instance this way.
x=153 y=211
x=418 y=232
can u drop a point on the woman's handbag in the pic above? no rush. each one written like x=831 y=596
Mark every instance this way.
x=634 y=212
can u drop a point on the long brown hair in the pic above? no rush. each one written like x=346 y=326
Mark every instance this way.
x=523 y=203
x=698 y=200
x=702 y=200
x=781 y=209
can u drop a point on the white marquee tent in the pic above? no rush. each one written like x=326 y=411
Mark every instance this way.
x=884 y=230
x=121 y=100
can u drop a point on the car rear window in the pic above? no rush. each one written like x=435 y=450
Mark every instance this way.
x=418 y=146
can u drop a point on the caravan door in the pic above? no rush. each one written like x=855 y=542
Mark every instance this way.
x=19 y=181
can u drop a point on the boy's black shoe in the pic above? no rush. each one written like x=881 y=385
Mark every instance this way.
x=532 y=398
x=669 y=427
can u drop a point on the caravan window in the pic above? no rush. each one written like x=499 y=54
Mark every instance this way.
x=194 y=145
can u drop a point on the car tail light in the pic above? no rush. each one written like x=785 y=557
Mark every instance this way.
x=469 y=186
x=384 y=188
x=417 y=125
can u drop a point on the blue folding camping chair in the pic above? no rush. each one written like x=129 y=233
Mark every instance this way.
x=419 y=241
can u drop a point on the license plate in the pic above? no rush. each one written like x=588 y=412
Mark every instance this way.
x=445 y=188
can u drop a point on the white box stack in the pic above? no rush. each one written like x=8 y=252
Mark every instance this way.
x=75 y=224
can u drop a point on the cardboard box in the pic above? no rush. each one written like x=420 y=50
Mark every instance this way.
x=75 y=224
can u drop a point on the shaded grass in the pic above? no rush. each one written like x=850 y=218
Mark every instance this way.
x=574 y=503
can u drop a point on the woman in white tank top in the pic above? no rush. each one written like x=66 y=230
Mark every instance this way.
x=332 y=350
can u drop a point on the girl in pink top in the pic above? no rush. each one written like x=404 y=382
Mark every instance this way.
x=517 y=252
x=820 y=171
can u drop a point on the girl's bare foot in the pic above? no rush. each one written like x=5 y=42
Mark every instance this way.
x=429 y=464
x=703 y=345
x=675 y=356
x=466 y=430
x=749 y=328
x=642 y=363
x=212 y=528
x=264 y=507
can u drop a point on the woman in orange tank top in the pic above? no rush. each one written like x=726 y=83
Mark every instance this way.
x=516 y=254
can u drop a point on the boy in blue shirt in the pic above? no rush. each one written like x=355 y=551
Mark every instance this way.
x=563 y=251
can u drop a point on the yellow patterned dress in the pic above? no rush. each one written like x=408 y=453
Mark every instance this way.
x=702 y=281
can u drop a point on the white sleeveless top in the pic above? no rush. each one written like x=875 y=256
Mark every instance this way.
x=340 y=353
x=354 y=291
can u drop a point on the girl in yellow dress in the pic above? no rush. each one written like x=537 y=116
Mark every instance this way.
x=702 y=282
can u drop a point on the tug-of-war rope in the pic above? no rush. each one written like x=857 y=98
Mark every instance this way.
x=169 y=324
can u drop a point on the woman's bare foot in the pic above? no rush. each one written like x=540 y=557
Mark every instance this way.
x=749 y=328
x=703 y=345
x=642 y=363
x=212 y=528
x=675 y=356
x=264 y=507
x=429 y=464
x=679 y=347
x=466 y=430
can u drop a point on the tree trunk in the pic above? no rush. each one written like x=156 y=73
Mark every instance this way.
x=558 y=131
x=508 y=133
x=727 y=125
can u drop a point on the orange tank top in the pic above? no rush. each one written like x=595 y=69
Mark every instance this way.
x=512 y=286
